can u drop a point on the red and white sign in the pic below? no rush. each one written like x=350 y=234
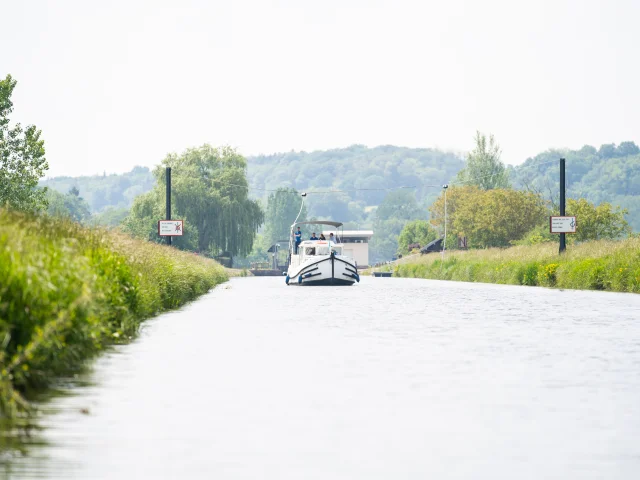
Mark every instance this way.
x=562 y=224
x=170 y=228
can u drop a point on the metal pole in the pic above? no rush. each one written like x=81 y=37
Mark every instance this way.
x=444 y=243
x=563 y=239
x=168 y=195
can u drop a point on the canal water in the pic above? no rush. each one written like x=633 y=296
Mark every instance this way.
x=388 y=379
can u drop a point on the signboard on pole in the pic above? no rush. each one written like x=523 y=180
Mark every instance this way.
x=562 y=224
x=170 y=228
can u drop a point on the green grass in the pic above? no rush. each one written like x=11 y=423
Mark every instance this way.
x=598 y=265
x=67 y=292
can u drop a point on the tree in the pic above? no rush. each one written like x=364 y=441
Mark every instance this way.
x=597 y=222
x=587 y=150
x=417 y=231
x=333 y=206
x=491 y=218
x=283 y=206
x=22 y=160
x=456 y=196
x=484 y=168
x=627 y=148
x=608 y=150
x=142 y=221
x=498 y=217
x=396 y=210
x=71 y=205
x=110 y=217
x=209 y=192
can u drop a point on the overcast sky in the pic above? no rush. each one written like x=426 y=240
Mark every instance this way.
x=121 y=83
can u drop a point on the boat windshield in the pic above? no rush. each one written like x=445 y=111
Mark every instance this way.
x=324 y=250
x=319 y=249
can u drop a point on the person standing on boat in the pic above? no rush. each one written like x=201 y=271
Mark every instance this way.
x=298 y=235
x=313 y=236
x=332 y=238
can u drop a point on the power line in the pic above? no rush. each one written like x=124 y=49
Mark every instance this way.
x=405 y=187
x=500 y=173
x=248 y=187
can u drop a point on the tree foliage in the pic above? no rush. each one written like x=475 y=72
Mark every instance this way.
x=104 y=191
x=484 y=168
x=71 y=205
x=599 y=222
x=22 y=158
x=610 y=174
x=110 y=217
x=283 y=206
x=489 y=218
x=415 y=232
x=397 y=209
x=364 y=173
x=210 y=193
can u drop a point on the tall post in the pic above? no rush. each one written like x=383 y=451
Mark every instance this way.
x=444 y=243
x=563 y=236
x=168 y=195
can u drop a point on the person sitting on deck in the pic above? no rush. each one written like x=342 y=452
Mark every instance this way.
x=313 y=236
x=322 y=237
x=298 y=235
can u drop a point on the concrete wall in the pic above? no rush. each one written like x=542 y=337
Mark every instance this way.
x=359 y=252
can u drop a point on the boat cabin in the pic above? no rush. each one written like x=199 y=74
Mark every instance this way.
x=312 y=248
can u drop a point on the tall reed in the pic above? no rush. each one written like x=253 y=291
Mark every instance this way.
x=67 y=292
x=597 y=265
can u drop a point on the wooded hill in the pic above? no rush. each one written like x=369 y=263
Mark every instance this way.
x=368 y=170
x=106 y=191
x=610 y=173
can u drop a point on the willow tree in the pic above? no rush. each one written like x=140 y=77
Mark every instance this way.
x=209 y=192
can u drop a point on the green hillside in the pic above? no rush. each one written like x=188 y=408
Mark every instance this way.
x=106 y=191
x=608 y=174
x=357 y=167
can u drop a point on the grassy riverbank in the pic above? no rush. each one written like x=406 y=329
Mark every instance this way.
x=598 y=265
x=67 y=292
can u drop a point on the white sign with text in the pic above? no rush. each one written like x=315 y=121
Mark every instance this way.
x=170 y=228
x=562 y=224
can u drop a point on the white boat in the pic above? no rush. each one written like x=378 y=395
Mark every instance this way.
x=320 y=262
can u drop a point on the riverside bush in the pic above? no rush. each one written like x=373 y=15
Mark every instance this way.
x=598 y=265
x=67 y=292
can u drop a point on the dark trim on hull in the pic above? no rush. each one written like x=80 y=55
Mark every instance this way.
x=327 y=281
x=304 y=270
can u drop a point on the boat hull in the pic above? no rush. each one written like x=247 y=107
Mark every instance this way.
x=330 y=270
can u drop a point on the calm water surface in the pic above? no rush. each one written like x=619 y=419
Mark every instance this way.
x=389 y=379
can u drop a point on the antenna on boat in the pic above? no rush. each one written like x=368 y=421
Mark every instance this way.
x=303 y=194
x=293 y=225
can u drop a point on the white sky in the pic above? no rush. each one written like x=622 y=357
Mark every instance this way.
x=121 y=83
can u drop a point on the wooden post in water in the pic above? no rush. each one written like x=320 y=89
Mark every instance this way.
x=563 y=236
x=168 y=194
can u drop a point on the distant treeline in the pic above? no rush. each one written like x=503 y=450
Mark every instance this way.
x=608 y=174
x=369 y=178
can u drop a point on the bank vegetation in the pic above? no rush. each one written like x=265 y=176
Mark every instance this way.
x=67 y=292
x=596 y=265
